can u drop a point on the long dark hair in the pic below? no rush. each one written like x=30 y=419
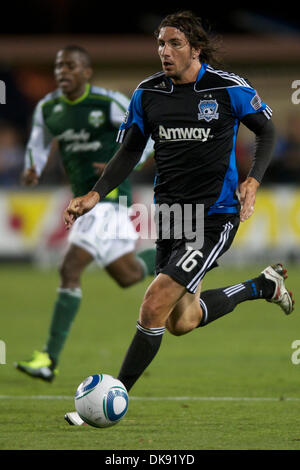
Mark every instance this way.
x=191 y=25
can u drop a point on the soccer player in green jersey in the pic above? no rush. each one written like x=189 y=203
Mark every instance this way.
x=84 y=120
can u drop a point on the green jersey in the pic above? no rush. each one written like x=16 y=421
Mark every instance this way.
x=86 y=131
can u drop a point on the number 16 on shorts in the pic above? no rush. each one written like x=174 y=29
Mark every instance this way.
x=188 y=261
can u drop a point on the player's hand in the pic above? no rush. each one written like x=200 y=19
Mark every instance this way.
x=79 y=206
x=247 y=197
x=29 y=177
x=99 y=168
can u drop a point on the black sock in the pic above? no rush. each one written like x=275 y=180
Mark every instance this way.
x=141 y=352
x=216 y=303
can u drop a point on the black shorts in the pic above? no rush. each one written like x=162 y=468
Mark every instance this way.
x=189 y=266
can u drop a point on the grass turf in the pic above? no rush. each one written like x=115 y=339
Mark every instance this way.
x=246 y=354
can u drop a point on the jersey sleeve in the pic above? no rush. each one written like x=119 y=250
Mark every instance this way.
x=139 y=138
x=118 y=107
x=39 y=143
x=245 y=100
x=134 y=115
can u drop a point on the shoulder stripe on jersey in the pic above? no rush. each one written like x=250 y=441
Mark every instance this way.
x=229 y=76
x=157 y=88
x=218 y=88
x=155 y=75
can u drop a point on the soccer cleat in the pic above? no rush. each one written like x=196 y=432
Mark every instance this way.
x=281 y=296
x=39 y=366
x=74 y=419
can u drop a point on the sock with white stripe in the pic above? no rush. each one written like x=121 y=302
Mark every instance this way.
x=141 y=352
x=216 y=303
x=65 y=309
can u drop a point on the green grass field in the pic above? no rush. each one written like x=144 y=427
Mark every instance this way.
x=231 y=385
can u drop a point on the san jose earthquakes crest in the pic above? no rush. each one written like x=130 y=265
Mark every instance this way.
x=208 y=110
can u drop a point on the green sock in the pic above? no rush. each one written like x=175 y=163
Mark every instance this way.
x=65 y=309
x=147 y=259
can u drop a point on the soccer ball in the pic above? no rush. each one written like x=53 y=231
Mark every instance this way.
x=101 y=400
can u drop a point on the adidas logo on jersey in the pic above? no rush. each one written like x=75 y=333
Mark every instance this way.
x=161 y=85
x=184 y=133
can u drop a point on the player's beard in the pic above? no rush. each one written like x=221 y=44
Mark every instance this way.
x=176 y=75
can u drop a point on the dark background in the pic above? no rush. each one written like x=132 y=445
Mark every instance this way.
x=260 y=43
x=96 y=17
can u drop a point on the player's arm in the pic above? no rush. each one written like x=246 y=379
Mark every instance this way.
x=116 y=171
x=123 y=162
x=265 y=138
x=37 y=149
x=256 y=116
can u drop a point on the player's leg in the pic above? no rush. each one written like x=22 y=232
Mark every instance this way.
x=68 y=300
x=130 y=268
x=190 y=267
x=192 y=311
x=269 y=285
x=160 y=299
x=43 y=364
x=113 y=239
x=186 y=315
x=215 y=303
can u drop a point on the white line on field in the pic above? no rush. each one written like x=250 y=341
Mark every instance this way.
x=67 y=397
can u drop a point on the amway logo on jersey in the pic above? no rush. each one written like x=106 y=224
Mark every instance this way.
x=183 y=133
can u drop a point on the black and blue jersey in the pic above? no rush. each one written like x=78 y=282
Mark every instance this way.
x=194 y=127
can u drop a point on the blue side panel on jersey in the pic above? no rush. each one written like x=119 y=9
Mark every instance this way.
x=226 y=203
x=135 y=115
x=241 y=98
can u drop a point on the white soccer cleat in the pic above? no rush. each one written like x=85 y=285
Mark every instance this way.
x=74 y=419
x=281 y=296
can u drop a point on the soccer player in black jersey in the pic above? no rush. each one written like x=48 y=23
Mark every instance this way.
x=192 y=111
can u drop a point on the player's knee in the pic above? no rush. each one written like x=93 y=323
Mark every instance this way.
x=126 y=281
x=150 y=313
x=69 y=273
x=123 y=282
x=128 y=278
